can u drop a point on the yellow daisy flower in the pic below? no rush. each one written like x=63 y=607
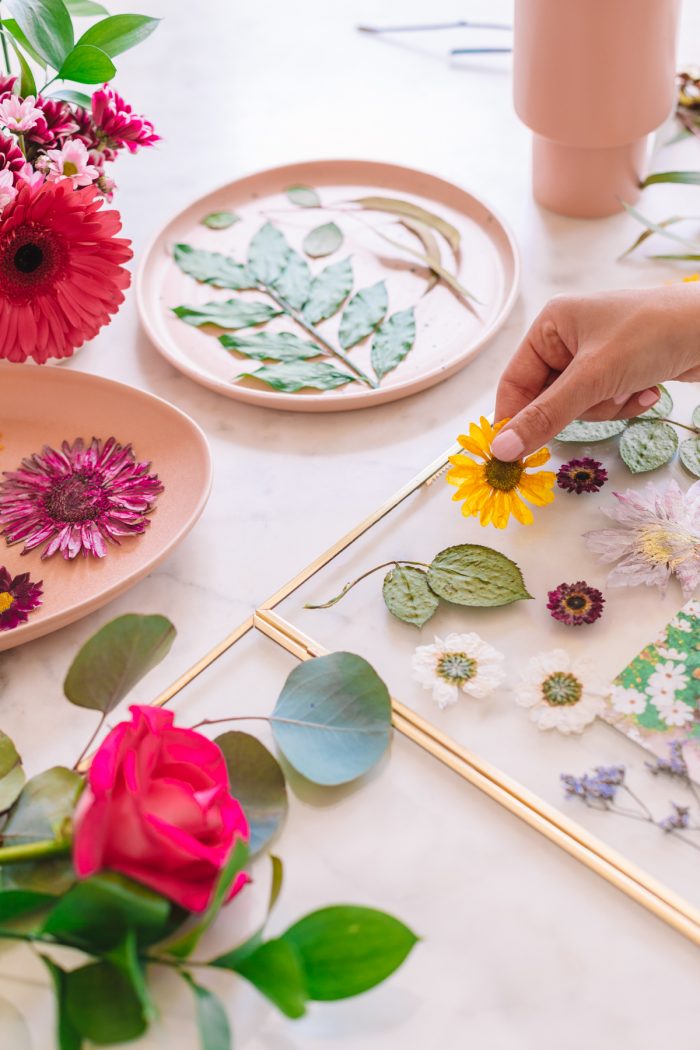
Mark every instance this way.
x=492 y=490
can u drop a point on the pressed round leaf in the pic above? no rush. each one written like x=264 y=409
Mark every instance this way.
x=662 y=407
x=648 y=445
x=581 y=432
x=12 y=775
x=407 y=595
x=689 y=453
x=220 y=220
x=696 y=417
x=323 y=240
x=469 y=574
x=257 y=781
x=303 y=196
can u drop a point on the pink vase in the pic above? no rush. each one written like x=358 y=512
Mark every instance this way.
x=592 y=79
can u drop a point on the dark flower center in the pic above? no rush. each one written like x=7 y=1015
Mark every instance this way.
x=576 y=602
x=561 y=688
x=32 y=259
x=456 y=668
x=28 y=258
x=503 y=476
x=583 y=475
x=75 y=498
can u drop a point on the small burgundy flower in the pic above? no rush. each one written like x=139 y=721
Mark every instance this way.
x=582 y=475
x=75 y=499
x=575 y=603
x=18 y=598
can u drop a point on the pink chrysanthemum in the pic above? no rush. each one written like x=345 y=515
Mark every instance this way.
x=77 y=498
x=582 y=475
x=575 y=603
x=71 y=161
x=11 y=156
x=116 y=122
x=61 y=270
x=18 y=598
x=55 y=123
x=7 y=83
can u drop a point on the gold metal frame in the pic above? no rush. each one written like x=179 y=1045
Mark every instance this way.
x=524 y=804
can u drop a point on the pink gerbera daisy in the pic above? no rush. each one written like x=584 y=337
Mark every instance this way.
x=116 y=122
x=77 y=498
x=18 y=598
x=61 y=270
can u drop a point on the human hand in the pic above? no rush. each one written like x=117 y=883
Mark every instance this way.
x=596 y=357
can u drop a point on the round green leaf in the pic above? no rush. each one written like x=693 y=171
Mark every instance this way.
x=12 y=775
x=332 y=720
x=103 y=1004
x=257 y=781
x=303 y=196
x=470 y=574
x=220 y=220
x=581 y=432
x=345 y=949
x=323 y=240
x=646 y=446
x=118 y=33
x=696 y=417
x=662 y=407
x=689 y=452
x=87 y=64
x=407 y=595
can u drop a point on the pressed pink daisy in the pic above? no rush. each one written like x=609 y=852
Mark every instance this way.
x=77 y=498
x=18 y=598
x=116 y=122
x=582 y=475
x=18 y=114
x=71 y=161
x=575 y=603
x=61 y=270
x=56 y=122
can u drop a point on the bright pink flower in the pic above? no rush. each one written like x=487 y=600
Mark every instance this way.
x=19 y=115
x=116 y=122
x=11 y=155
x=55 y=123
x=33 y=176
x=158 y=808
x=62 y=270
x=7 y=83
x=8 y=190
x=71 y=161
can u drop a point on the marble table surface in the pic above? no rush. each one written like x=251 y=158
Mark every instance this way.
x=522 y=947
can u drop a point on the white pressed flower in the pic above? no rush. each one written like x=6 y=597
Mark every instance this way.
x=561 y=693
x=667 y=677
x=677 y=713
x=460 y=661
x=681 y=624
x=670 y=654
x=628 y=701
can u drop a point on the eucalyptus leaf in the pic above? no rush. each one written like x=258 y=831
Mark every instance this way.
x=294 y=283
x=691 y=177
x=646 y=234
x=67 y=1035
x=430 y=246
x=655 y=227
x=102 y=1004
x=86 y=8
x=581 y=432
x=87 y=64
x=303 y=196
x=470 y=574
x=329 y=289
x=267 y=254
x=212 y=1022
x=332 y=720
x=220 y=220
x=44 y=807
x=118 y=656
x=323 y=240
x=118 y=33
x=275 y=969
x=47 y=26
x=291 y=376
x=275 y=346
x=362 y=314
x=689 y=453
x=393 y=341
x=228 y=313
x=257 y=781
x=646 y=446
x=12 y=776
x=407 y=595
x=413 y=211
x=347 y=949
x=212 y=268
x=662 y=407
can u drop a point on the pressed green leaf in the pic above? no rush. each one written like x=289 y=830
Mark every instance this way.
x=67 y=1035
x=14 y=30
x=267 y=254
x=87 y=64
x=303 y=196
x=294 y=283
x=47 y=26
x=237 y=860
x=656 y=227
x=16 y=903
x=76 y=98
x=662 y=407
x=291 y=376
x=12 y=775
x=275 y=346
x=430 y=247
x=689 y=453
x=362 y=314
x=470 y=574
x=220 y=220
x=646 y=234
x=332 y=720
x=86 y=8
x=692 y=257
x=394 y=339
x=229 y=313
x=212 y=1022
x=581 y=432
x=118 y=656
x=413 y=211
x=212 y=268
x=118 y=33
x=257 y=781
x=646 y=446
x=696 y=417
x=275 y=969
x=323 y=240
x=692 y=177
x=329 y=289
x=407 y=595
x=347 y=949
x=102 y=1003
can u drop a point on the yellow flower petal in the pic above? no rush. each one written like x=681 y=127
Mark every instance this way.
x=537 y=458
x=469 y=445
x=481 y=441
x=521 y=511
x=537 y=488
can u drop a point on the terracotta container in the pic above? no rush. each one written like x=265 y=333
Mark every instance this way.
x=592 y=79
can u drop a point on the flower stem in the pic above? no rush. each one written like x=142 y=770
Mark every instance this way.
x=33 y=851
x=90 y=742
x=693 y=430
x=349 y=586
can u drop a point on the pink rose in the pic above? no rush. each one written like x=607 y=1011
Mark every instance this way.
x=157 y=807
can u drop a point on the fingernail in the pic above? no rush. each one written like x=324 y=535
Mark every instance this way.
x=648 y=397
x=507 y=446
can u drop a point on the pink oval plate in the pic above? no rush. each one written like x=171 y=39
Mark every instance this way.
x=44 y=406
x=448 y=335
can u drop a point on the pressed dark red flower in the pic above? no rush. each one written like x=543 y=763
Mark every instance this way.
x=582 y=475
x=19 y=597
x=575 y=603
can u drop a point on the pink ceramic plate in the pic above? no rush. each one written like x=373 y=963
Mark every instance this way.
x=47 y=405
x=448 y=334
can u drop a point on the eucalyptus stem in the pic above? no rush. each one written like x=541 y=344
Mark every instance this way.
x=348 y=586
x=693 y=430
x=90 y=742
x=19 y=854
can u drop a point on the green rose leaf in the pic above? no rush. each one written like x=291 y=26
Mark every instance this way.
x=237 y=860
x=230 y=960
x=125 y=956
x=346 y=949
x=86 y=8
x=47 y=26
x=212 y=1022
x=581 y=432
x=257 y=782
x=696 y=417
x=362 y=314
x=102 y=1003
x=407 y=595
x=267 y=254
x=231 y=313
x=332 y=720
x=407 y=209
x=17 y=903
x=67 y=1035
x=212 y=268
x=118 y=33
x=87 y=64
x=646 y=446
x=111 y=663
x=329 y=289
x=220 y=220
x=662 y=407
x=394 y=339
x=470 y=574
x=275 y=346
x=323 y=240
x=275 y=969
x=689 y=452
x=294 y=283
x=303 y=196
x=12 y=775
x=291 y=376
